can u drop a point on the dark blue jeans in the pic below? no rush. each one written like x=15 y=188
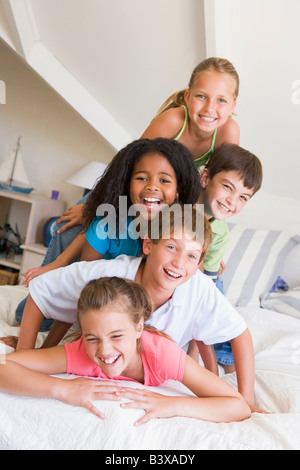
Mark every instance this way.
x=223 y=351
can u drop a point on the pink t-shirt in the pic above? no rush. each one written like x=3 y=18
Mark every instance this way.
x=162 y=360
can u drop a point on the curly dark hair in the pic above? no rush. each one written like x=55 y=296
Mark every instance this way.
x=116 y=179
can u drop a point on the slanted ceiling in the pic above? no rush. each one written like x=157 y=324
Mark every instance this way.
x=113 y=61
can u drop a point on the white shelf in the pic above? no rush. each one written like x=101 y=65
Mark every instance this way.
x=36 y=248
x=31 y=212
x=10 y=262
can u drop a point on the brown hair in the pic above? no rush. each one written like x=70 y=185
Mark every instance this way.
x=127 y=295
x=181 y=218
x=232 y=157
x=114 y=292
x=215 y=64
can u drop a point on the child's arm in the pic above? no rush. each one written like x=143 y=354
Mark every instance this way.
x=228 y=133
x=244 y=361
x=89 y=253
x=208 y=356
x=57 y=332
x=25 y=373
x=167 y=124
x=72 y=252
x=215 y=400
x=31 y=322
x=221 y=268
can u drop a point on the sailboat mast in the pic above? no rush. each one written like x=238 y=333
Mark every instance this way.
x=14 y=164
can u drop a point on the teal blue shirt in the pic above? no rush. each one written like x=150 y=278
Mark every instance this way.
x=112 y=243
x=216 y=251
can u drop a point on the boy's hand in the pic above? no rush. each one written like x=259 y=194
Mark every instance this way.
x=221 y=268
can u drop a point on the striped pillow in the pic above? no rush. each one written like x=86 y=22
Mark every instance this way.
x=283 y=302
x=254 y=259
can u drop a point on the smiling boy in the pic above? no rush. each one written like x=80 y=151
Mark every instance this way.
x=229 y=180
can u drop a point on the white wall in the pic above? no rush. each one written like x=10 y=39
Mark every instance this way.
x=262 y=39
x=271 y=212
x=56 y=141
x=129 y=54
x=113 y=61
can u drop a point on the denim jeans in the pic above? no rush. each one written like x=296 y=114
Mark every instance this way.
x=223 y=351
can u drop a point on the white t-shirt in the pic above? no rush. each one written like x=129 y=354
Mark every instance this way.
x=197 y=309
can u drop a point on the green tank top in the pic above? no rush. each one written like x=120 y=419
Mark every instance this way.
x=201 y=161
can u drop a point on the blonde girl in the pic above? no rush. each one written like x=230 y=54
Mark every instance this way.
x=200 y=116
x=116 y=343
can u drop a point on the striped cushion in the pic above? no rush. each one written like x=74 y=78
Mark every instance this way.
x=254 y=259
x=283 y=302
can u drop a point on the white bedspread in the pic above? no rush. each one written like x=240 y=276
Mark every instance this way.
x=27 y=423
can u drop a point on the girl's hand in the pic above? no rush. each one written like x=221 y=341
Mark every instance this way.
x=154 y=404
x=83 y=392
x=73 y=215
x=35 y=272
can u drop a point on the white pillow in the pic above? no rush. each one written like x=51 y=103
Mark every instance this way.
x=254 y=259
x=291 y=267
x=283 y=302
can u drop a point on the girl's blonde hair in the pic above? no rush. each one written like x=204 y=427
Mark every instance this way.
x=115 y=293
x=215 y=64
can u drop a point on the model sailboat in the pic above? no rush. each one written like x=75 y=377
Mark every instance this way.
x=12 y=172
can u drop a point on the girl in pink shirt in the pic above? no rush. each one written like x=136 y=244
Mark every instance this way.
x=115 y=343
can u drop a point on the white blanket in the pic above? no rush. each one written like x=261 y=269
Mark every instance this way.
x=28 y=423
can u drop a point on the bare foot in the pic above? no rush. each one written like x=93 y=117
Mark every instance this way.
x=11 y=341
x=228 y=368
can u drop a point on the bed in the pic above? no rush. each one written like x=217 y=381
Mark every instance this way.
x=262 y=280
